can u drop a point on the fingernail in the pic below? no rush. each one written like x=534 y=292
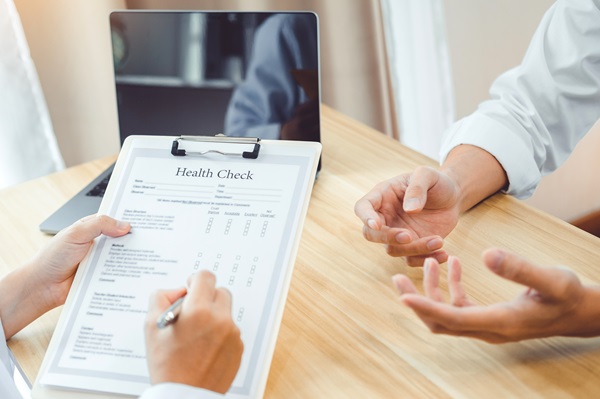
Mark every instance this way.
x=189 y=279
x=435 y=243
x=495 y=264
x=395 y=279
x=403 y=238
x=452 y=261
x=121 y=225
x=426 y=265
x=372 y=224
x=412 y=204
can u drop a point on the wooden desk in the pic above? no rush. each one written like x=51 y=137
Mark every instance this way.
x=344 y=334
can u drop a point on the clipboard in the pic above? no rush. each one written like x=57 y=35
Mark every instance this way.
x=234 y=206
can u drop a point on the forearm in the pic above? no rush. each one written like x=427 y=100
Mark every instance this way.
x=476 y=172
x=20 y=301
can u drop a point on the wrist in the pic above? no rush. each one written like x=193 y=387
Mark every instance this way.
x=588 y=313
x=463 y=201
x=22 y=300
x=475 y=172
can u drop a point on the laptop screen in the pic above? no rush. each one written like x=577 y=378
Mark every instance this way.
x=202 y=73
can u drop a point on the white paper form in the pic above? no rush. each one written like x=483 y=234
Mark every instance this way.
x=235 y=217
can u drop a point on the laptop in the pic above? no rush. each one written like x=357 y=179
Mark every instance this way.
x=252 y=74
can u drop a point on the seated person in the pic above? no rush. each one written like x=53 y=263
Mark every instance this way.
x=537 y=114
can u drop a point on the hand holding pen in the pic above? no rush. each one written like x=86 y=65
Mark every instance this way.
x=170 y=315
x=197 y=342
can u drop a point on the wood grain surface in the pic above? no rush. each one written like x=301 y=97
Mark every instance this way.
x=344 y=333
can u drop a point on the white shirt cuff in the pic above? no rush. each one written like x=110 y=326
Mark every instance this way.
x=509 y=148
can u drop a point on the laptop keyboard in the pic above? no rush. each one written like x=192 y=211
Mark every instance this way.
x=99 y=189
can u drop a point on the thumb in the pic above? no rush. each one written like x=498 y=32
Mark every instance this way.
x=516 y=268
x=91 y=227
x=367 y=208
x=160 y=300
x=415 y=197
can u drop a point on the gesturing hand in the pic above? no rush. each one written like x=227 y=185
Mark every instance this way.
x=411 y=213
x=555 y=302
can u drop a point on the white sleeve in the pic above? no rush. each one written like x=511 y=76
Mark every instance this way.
x=8 y=390
x=179 y=391
x=539 y=110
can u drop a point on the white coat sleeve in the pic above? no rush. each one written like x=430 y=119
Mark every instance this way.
x=8 y=389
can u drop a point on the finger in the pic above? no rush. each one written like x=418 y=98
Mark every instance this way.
x=223 y=300
x=201 y=288
x=387 y=235
x=366 y=209
x=431 y=280
x=420 y=246
x=92 y=226
x=438 y=328
x=458 y=296
x=418 y=260
x=421 y=180
x=473 y=318
x=403 y=284
x=88 y=217
x=160 y=300
x=549 y=282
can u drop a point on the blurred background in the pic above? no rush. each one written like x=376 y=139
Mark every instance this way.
x=406 y=68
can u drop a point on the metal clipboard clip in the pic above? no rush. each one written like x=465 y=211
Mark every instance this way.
x=219 y=138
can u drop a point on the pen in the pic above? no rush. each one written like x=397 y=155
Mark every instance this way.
x=170 y=315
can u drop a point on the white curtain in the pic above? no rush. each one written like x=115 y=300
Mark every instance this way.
x=28 y=146
x=420 y=71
